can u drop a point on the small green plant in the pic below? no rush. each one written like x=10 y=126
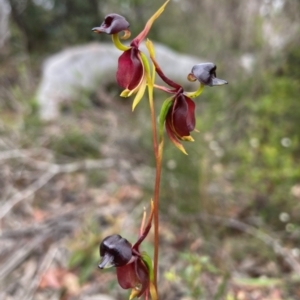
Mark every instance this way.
x=192 y=273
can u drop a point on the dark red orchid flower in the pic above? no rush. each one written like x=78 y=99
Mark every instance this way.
x=180 y=119
x=134 y=268
x=178 y=112
x=131 y=73
x=132 y=273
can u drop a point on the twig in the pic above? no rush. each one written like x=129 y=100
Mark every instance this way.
x=45 y=265
x=29 y=191
x=70 y=167
x=20 y=255
x=52 y=170
x=17 y=153
x=62 y=223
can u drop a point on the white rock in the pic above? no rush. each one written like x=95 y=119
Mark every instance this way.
x=4 y=19
x=82 y=68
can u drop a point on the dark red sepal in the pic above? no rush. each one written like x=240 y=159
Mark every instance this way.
x=130 y=69
x=181 y=116
x=134 y=275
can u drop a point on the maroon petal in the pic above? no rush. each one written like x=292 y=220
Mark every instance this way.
x=134 y=275
x=190 y=120
x=113 y=23
x=169 y=125
x=130 y=69
x=127 y=276
x=183 y=118
x=172 y=135
x=143 y=276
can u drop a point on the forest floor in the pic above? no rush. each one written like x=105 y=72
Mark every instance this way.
x=66 y=185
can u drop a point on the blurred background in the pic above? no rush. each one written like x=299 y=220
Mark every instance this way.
x=230 y=210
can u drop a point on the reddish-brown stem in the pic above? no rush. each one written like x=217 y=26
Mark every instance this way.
x=158 y=157
x=165 y=89
x=156 y=211
x=163 y=76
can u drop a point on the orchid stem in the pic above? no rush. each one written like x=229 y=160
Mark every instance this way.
x=158 y=161
x=158 y=153
x=163 y=88
x=156 y=210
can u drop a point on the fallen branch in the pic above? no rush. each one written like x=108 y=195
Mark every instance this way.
x=52 y=229
x=44 y=266
x=17 y=153
x=29 y=191
x=62 y=222
x=17 y=257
